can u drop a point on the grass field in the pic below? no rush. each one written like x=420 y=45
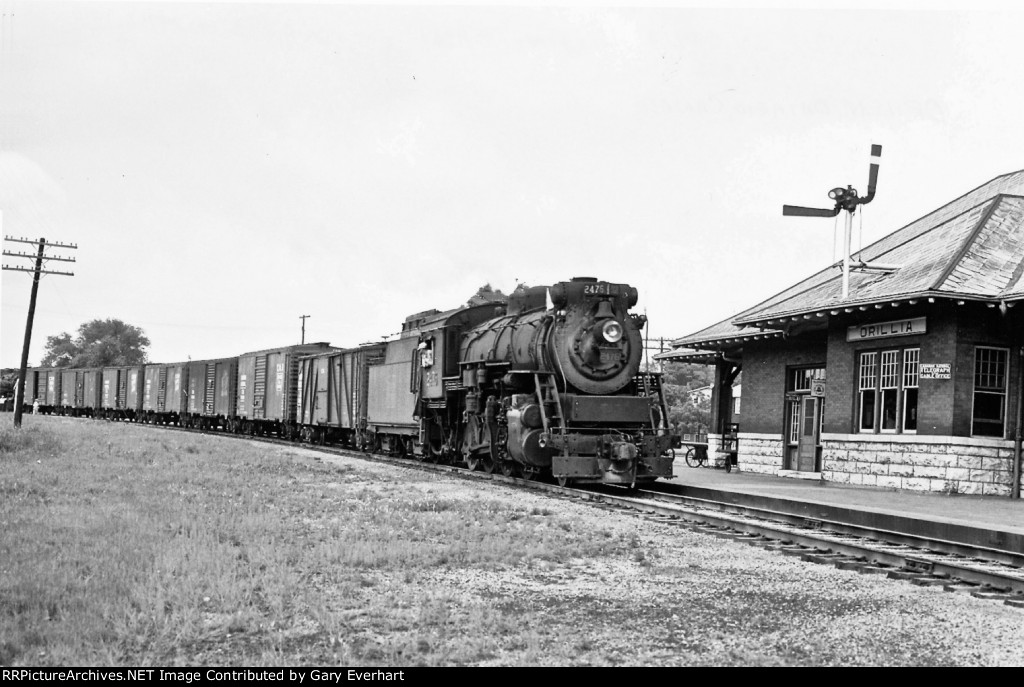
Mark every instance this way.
x=131 y=546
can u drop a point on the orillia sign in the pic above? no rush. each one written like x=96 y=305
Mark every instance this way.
x=883 y=330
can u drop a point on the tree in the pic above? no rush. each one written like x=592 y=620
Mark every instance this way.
x=60 y=351
x=688 y=412
x=8 y=378
x=99 y=343
x=689 y=375
x=487 y=294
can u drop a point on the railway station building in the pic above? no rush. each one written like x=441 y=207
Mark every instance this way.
x=911 y=380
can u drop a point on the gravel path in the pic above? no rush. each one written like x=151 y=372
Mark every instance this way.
x=674 y=597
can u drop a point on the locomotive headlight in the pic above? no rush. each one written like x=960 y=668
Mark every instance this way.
x=612 y=331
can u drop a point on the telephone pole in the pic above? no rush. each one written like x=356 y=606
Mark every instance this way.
x=303 y=318
x=40 y=257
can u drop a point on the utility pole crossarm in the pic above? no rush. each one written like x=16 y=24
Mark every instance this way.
x=33 y=271
x=61 y=258
x=37 y=272
x=55 y=244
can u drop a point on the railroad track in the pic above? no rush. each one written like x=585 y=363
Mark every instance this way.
x=983 y=572
x=957 y=567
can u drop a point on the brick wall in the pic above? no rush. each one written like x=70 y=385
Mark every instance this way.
x=764 y=380
x=983 y=327
x=938 y=345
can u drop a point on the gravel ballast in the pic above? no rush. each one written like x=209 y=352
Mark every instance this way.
x=671 y=596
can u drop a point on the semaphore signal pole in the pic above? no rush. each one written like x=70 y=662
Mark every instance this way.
x=40 y=256
x=303 y=318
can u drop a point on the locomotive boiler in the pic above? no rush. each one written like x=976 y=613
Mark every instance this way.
x=545 y=387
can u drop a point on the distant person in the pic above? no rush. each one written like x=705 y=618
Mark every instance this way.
x=3 y=404
x=35 y=407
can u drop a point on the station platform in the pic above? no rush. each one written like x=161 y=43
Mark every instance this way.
x=993 y=521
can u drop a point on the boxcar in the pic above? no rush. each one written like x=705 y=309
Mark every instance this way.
x=333 y=391
x=74 y=399
x=70 y=394
x=48 y=390
x=110 y=381
x=91 y=380
x=133 y=391
x=164 y=393
x=121 y=397
x=31 y=386
x=212 y=392
x=268 y=388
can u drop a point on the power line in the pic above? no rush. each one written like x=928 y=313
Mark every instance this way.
x=40 y=258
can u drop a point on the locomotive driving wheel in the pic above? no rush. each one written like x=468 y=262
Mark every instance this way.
x=472 y=462
x=530 y=472
x=508 y=468
x=487 y=464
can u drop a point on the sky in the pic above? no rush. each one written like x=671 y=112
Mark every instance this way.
x=225 y=168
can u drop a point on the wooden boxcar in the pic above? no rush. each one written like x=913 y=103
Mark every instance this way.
x=268 y=388
x=164 y=393
x=212 y=392
x=333 y=392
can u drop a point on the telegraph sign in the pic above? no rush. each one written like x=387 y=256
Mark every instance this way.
x=935 y=371
x=818 y=388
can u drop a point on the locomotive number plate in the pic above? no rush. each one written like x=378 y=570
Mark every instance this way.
x=610 y=356
x=600 y=288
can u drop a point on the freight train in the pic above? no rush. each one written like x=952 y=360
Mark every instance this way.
x=545 y=383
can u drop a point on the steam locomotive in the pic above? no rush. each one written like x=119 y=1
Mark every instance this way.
x=539 y=389
x=547 y=382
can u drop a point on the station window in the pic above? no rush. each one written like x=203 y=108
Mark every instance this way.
x=800 y=378
x=889 y=385
x=868 y=382
x=888 y=390
x=911 y=377
x=989 y=414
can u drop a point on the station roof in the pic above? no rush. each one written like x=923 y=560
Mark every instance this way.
x=969 y=249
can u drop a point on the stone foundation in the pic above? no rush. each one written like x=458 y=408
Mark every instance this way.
x=951 y=465
x=761 y=453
